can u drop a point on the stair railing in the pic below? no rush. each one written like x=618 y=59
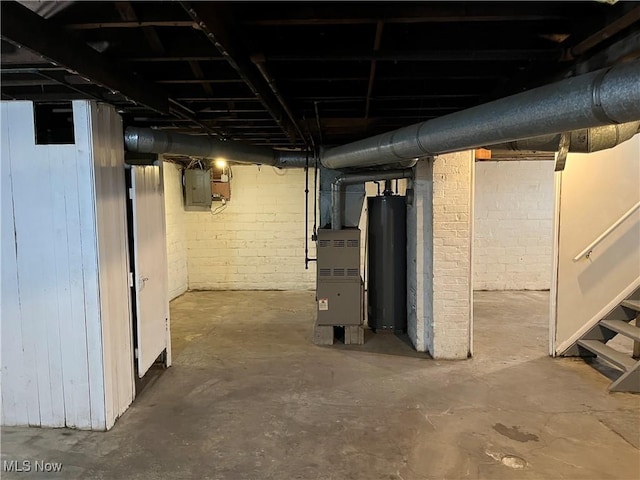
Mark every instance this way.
x=589 y=249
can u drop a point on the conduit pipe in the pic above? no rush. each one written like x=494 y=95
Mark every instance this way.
x=586 y=140
x=147 y=140
x=342 y=180
x=603 y=97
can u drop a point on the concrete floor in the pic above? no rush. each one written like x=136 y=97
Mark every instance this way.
x=249 y=397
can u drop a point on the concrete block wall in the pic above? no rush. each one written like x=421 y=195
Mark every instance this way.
x=450 y=334
x=513 y=225
x=256 y=241
x=176 y=230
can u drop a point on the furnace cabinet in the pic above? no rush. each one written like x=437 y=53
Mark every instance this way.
x=339 y=284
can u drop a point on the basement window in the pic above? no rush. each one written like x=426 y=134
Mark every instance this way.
x=54 y=123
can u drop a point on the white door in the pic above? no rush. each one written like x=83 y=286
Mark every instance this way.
x=150 y=261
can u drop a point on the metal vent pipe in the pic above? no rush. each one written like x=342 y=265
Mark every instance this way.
x=336 y=189
x=147 y=140
x=586 y=140
x=603 y=97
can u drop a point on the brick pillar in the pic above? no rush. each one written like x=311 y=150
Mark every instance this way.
x=450 y=332
x=420 y=256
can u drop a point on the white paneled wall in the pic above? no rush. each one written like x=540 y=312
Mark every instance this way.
x=513 y=225
x=113 y=258
x=66 y=346
x=176 y=230
x=256 y=242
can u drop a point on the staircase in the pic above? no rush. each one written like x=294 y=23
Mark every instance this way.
x=594 y=343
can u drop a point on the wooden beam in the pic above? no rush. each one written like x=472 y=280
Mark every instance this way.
x=216 y=22
x=128 y=24
x=611 y=29
x=439 y=55
x=23 y=27
x=203 y=81
x=127 y=12
x=174 y=58
x=372 y=70
x=473 y=75
x=217 y=99
x=197 y=72
x=295 y=22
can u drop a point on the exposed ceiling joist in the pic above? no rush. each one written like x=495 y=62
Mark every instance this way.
x=284 y=22
x=608 y=31
x=471 y=55
x=178 y=58
x=127 y=12
x=23 y=27
x=214 y=22
x=199 y=74
x=128 y=24
x=423 y=12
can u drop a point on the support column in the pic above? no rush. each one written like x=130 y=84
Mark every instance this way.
x=439 y=242
x=450 y=331
x=420 y=255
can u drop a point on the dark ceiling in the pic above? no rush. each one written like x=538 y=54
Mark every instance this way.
x=290 y=73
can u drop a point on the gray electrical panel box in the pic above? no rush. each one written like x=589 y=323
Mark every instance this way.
x=339 y=285
x=197 y=189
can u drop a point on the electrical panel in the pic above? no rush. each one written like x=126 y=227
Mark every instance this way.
x=339 y=285
x=197 y=190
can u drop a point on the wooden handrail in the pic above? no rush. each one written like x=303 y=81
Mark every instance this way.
x=587 y=251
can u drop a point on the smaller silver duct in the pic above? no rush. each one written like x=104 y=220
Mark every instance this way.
x=336 y=189
x=586 y=140
x=147 y=140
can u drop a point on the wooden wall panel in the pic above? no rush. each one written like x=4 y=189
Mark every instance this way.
x=115 y=302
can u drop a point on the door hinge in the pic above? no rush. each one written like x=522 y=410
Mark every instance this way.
x=135 y=352
x=130 y=279
x=130 y=193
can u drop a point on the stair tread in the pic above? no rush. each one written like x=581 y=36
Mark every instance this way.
x=622 y=328
x=607 y=353
x=632 y=304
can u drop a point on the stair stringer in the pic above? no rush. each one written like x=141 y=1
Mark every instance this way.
x=629 y=381
x=568 y=347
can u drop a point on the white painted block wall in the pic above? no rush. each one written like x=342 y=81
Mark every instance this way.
x=513 y=225
x=176 y=230
x=256 y=242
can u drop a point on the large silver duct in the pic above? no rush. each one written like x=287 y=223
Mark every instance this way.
x=343 y=180
x=586 y=140
x=603 y=97
x=147 y=140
